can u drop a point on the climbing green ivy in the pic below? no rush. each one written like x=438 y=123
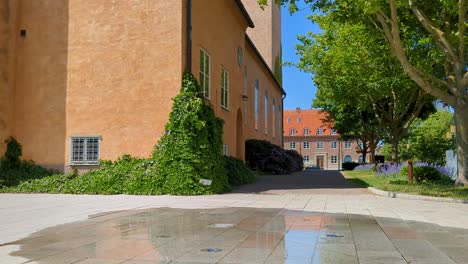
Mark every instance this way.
x=191 y=148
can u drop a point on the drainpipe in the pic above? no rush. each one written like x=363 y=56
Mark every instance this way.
x=189 y=36
x=282 y=121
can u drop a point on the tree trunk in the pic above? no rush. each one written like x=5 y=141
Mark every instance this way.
x=395 y=143
x=364 y=153
x=372 y=150
x=461 y=125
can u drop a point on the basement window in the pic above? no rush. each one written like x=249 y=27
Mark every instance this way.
x=85 y=150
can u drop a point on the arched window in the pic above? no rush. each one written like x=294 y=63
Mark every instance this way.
x=347 y=159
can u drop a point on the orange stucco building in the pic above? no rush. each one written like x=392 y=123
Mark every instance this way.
x=82 y=80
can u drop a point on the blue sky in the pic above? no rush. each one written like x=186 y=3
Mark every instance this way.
x=299 y=86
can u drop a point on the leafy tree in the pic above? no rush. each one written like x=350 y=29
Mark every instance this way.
x=191 y=148
x=352 y=68
x=429 y=40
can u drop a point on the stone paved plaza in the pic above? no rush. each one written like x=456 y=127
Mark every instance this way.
x=320 y=225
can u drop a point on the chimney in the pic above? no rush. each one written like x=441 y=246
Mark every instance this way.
x=298 y=109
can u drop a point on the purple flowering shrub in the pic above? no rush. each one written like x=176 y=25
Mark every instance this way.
x=267 y=157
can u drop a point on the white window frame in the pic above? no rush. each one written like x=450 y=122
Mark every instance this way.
x=319 y=144
x=306 y=159
x=333 y=131
x=292 y=132
x=319 y=131
x=347 y=145
x=226 y=150
x=273 y=117
x=333 y=157
x=257 y=104
x=205 y=76
x=306 y=145
x=306 y=131
x=224 y=88
x=266 y=111
x=85 y=160
x=292 y=145
x=360 y=144
x=333 y=144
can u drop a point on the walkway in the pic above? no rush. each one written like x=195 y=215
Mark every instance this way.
x=304 y=182
x=230 y=228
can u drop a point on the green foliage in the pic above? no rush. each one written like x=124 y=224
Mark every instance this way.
x=279 y=68
x=13 y=170
x=125 y=175
x=13 y=152
x=267 y=157
x=191 y=148
x=237 y=172
x=422 y=174
x=427 y=139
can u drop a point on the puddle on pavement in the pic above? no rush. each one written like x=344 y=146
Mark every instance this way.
x=234 y=235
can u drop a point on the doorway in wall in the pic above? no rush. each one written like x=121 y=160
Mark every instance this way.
x=320 y=161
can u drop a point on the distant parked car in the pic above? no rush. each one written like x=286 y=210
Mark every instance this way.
x=312 y=167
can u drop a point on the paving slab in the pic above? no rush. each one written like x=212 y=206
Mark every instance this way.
x=310 y=224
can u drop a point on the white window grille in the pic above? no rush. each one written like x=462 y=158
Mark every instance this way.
x=347 y=144
x=292 y=132
x=224 y=88
x=205 y=73
x=306 y=131
x=292 y=145
x=333 y=145
x=334 y=159
x=306 y=159
x=333 y=132
x=319 y=144
x=319 y=131
x=306 y=145
x=84 y=150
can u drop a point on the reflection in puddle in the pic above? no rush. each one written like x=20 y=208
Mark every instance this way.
x=236 y=235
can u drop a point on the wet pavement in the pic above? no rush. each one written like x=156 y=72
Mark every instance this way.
x=309 y=223
x=243 y=235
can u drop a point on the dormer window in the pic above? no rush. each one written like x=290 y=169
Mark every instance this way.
x=306 y=131
x=319 y=131
x=333 y=131
x=299 y=120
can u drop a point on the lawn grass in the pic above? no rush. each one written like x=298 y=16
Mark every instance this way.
x=442 y=189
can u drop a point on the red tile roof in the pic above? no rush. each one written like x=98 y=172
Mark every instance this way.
x=311 y=119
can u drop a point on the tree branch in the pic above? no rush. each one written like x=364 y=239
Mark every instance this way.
x=438 y=34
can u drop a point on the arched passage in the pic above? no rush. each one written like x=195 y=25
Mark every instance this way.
x=239 y=136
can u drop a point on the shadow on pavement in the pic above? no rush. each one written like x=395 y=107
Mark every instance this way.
x=307 y=181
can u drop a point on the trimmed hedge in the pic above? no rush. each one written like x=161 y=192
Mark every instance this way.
x=237 y=172
x=267 y=157
x=422 y=174
x=349 y=165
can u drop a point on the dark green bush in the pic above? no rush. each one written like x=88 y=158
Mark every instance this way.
x=237 y=172
x=191 y=148
x=13 y=170
x=422 y=174
x=349 y=165
x=267 y=157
